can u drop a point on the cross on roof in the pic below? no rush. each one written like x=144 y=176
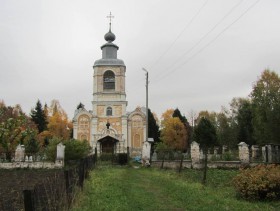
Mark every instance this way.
x=110 y=16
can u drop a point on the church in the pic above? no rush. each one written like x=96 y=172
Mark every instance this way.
x=109 y=127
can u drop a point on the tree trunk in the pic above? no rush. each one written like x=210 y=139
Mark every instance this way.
x=181 y=163
x=205 y=168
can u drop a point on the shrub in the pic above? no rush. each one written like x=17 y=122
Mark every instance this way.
x=32 y=147
x=229 y=156
x=74 y=149
x=258 y=183
x=51 y=149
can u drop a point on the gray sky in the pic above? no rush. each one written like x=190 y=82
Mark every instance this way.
x=199 y=54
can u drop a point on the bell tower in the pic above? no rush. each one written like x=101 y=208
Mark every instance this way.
x=109 y=95
x=109 y=127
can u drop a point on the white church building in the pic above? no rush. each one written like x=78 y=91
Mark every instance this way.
x=109 y=127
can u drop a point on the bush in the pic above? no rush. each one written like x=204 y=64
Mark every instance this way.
x=229 y=156
x=32 y=147
x=51 y=149
x=258 y=183
x=74 y=149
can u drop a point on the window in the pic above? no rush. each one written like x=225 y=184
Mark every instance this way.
x=109 y=80
x=109 y=111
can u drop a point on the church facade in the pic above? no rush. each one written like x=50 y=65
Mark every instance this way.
x=109 y=127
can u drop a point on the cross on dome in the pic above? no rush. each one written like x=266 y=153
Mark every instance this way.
x=110 y=16
x=110 y=37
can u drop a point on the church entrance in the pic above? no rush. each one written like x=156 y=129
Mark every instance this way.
x=108 y=144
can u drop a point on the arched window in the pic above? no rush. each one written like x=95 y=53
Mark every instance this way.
x=109 y=80
x=109 y=111
x=136 y=140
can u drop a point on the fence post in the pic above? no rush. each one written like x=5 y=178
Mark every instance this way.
x=28 y=200
x=81 y=173
x=127 y=150
x=67 y=186
x=162 y=163
x=181 y=163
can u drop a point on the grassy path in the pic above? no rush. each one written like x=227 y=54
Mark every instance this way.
x=123 y=188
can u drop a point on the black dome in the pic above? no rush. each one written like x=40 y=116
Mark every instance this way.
x=110 y=36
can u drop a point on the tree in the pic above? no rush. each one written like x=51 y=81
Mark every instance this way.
x=205 y=135
x=153 y=128
x=32 y=146
x=39 y=117
x=211 y=116
x=58 y=125
x=192 y=117
x=15 y=128
x=244 y=121
x=74 y=149
x=166 y=115
x=184 y=120
x=174 y=134
x=225 y=128
x=266 y=108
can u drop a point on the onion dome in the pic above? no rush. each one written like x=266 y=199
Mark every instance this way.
x=109 y=36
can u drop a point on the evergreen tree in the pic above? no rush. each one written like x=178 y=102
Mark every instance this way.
x=177 y=113
x=205 y=135
x=153 y=128
x=38 y=117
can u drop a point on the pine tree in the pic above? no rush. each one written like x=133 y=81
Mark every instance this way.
x=153 y=128
x=38 y=117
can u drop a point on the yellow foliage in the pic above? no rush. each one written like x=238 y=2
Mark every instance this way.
x=174 y=134
x=59 y=126
x=166 y=116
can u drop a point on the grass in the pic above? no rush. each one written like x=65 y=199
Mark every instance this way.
x=124 y=188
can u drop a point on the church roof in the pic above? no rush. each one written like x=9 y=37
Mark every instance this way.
x=109 y=52
x=112 y=62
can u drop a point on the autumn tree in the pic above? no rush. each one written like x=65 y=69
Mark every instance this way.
x=211 y=116
x=166 y=115
x=58 y=125
x=205 y=135
x=39 y=117
x=15 y=128
x=266 y=108
x=174 y=134
x=183 y=119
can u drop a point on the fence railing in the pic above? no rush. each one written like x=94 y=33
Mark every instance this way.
x=54 y=192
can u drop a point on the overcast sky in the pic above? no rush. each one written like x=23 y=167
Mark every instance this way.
x=199 y=54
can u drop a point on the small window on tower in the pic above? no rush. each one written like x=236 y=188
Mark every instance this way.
x=109 y=80
x=109 y=111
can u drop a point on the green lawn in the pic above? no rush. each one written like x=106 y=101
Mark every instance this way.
x=125 y=188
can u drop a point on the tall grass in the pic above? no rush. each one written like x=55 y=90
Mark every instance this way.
x=123 y=188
